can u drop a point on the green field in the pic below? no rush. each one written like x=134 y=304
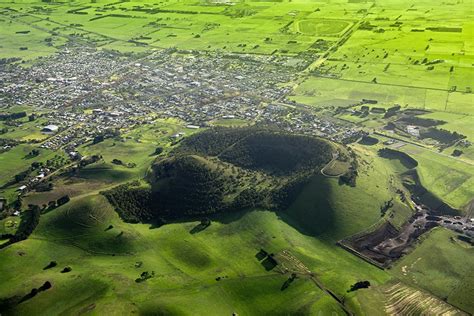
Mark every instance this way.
x=17 y=160
x=449 y=179
x=438 y=266
x=185 y=264
x=346 y=64
x=263 y=27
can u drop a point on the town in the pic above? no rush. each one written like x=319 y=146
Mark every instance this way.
x=85 y=92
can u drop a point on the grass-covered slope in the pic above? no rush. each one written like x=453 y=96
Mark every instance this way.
x=106 y=262
x=215 y=269
x=330 y=210
x=441 y=265
x=89 y=223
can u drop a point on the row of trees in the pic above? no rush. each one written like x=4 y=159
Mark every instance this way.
x=350 y=177
x=191 y=187
x=12 y=116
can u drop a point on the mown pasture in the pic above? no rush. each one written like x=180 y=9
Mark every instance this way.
x=438 y=265
x=449 y=179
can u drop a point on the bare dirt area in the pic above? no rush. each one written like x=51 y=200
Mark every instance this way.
x=386 y=244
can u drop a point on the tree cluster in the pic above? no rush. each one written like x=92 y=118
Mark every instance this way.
x=191 y=188
x=213 y=141
x=12 y=116
x=442 y=135
x=133 y=204
x=278 y=154
x=30 y=220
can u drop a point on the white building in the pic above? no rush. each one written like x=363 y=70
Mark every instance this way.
x=50 y=129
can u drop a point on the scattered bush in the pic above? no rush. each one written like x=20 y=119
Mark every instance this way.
x=359 y=285
x=52 y=264
x=145 y=276
x=66 y=269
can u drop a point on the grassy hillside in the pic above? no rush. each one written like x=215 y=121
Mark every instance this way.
x=135 y=147
x=330 y=210
x=438 y=265
x=218 y=264
x=186 y=265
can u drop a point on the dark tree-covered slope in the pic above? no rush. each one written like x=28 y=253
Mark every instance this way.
x=224 y=170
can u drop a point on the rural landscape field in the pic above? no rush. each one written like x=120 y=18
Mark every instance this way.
x=247 y=157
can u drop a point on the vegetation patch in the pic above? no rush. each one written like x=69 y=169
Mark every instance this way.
x=279 y=154
x=368 y=141
x=224 y=170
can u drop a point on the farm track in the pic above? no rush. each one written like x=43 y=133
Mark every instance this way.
x=334 y=158
x=385 y=84
x=298 y=267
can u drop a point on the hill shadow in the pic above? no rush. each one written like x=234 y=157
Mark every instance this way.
x=311 y=213
x=406 y=160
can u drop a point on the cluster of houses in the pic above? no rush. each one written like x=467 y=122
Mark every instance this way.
x=78 y=128
x=33 y=181
x=59 y=80
x=200 y=87
x=91 y=91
